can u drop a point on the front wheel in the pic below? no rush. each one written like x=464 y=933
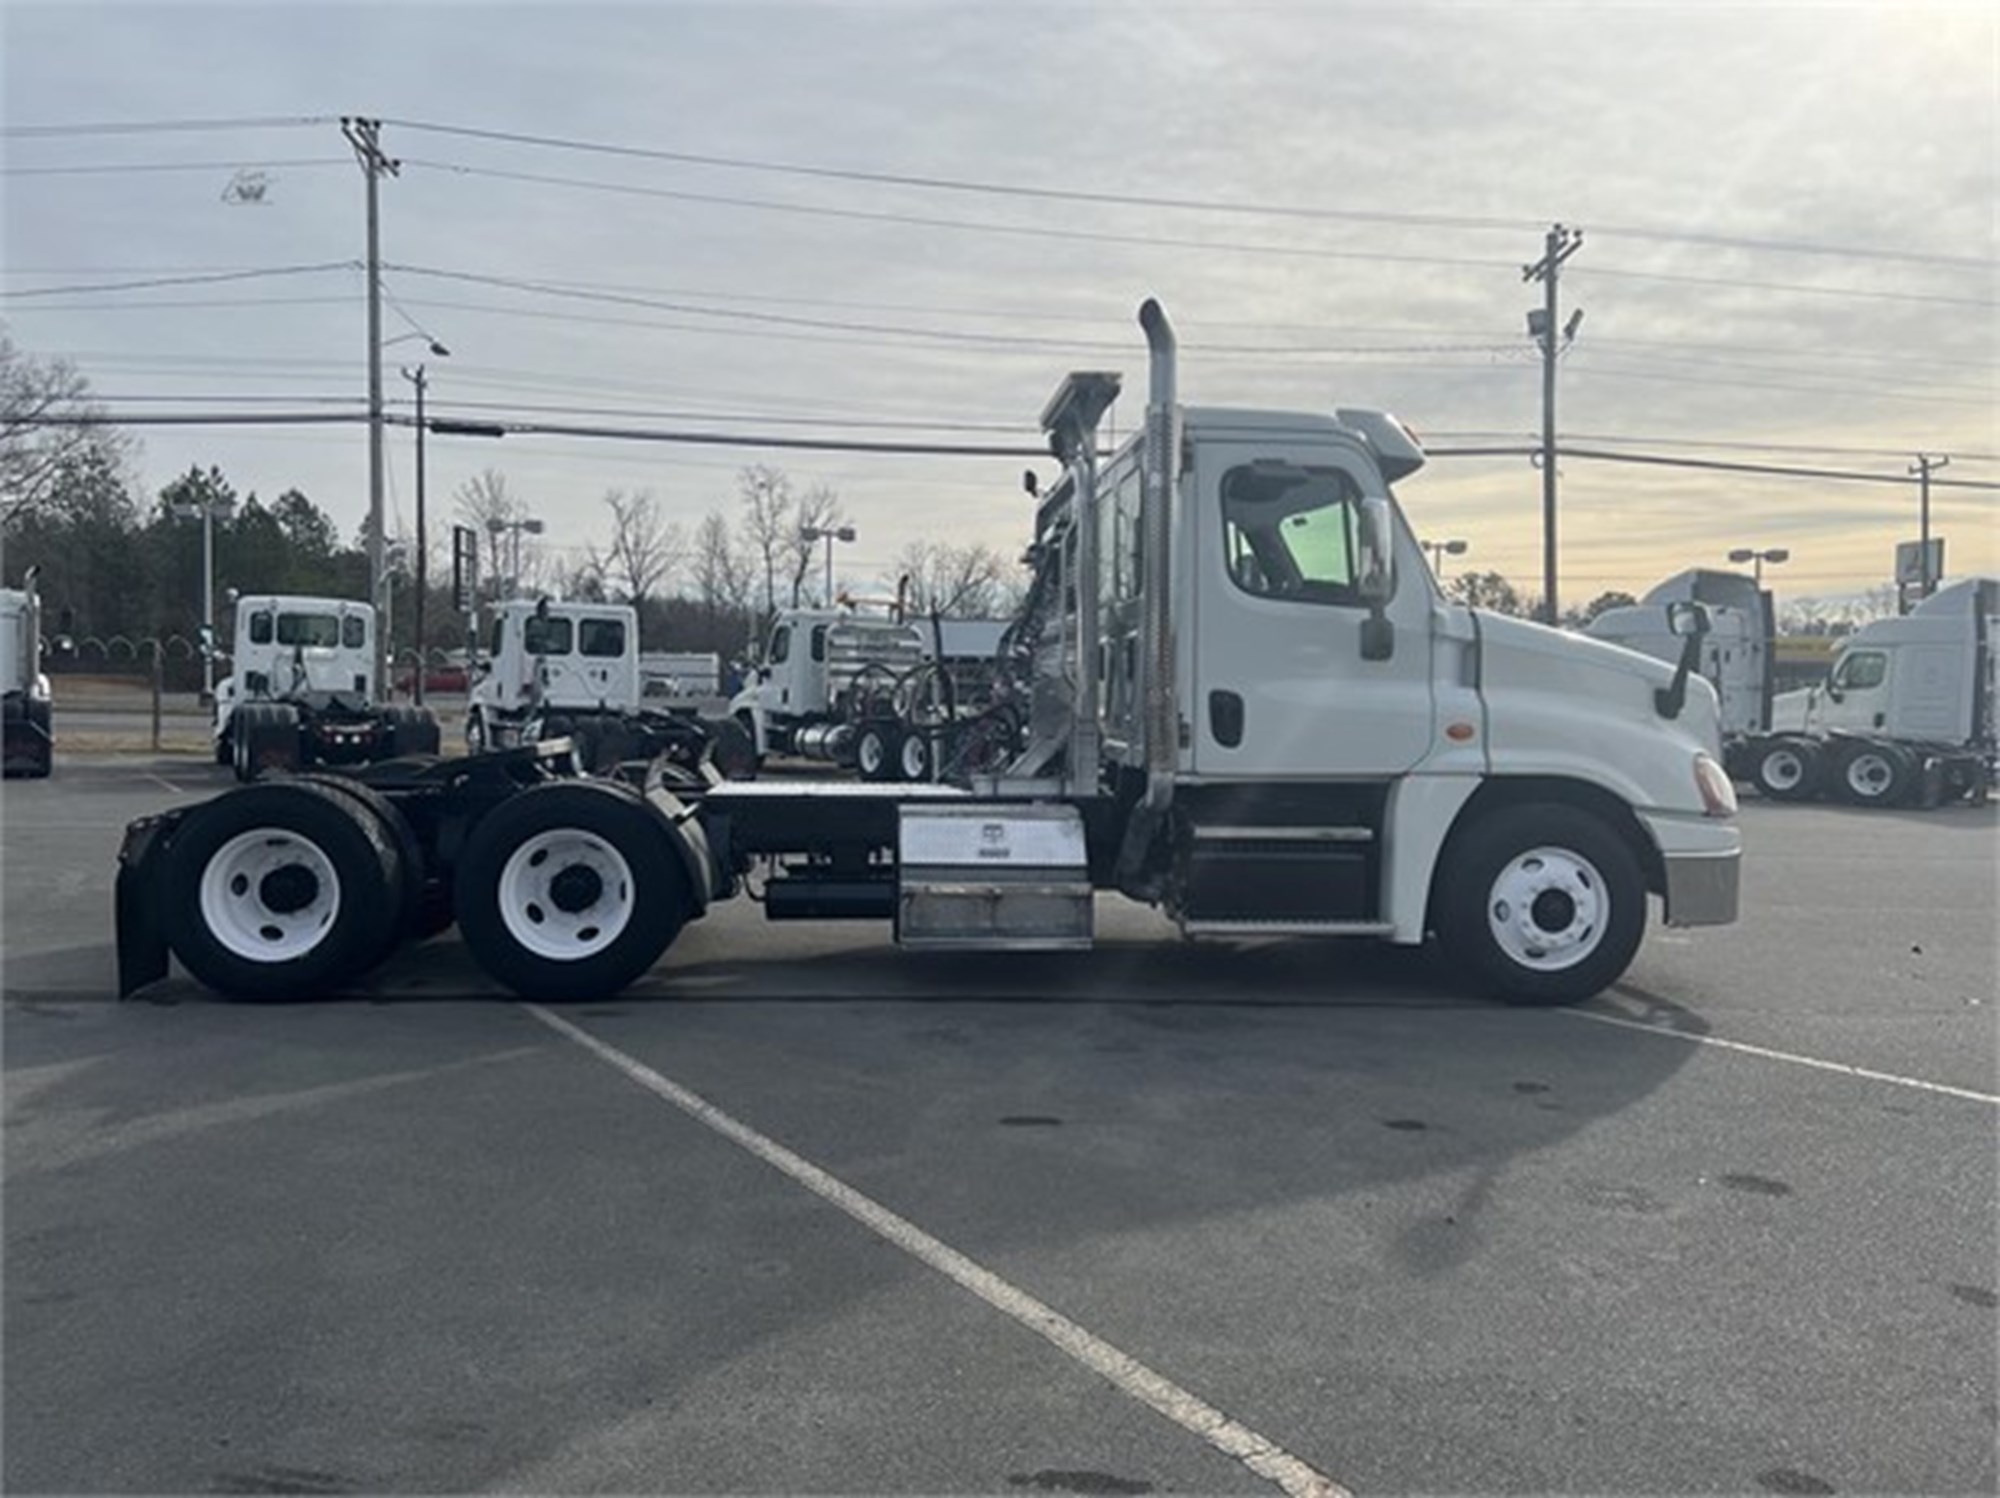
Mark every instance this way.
x=570 y=890
x=1540 y=904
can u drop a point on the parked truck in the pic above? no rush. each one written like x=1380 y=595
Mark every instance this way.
x=301 y=691
x=28 y=746
x=1241 y=698
x=1904 y=717
x=565 y=669
x=826 y=689
x=878 y=695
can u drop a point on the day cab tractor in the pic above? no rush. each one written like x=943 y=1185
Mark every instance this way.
x=25 y=700
x=301 y=691
x=1234 y=692
x=1905 y=717
x=564 y=669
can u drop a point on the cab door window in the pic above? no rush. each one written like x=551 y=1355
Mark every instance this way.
x=1860 y=670
x=601 y=638
x=1290 y=532
x=781 y=644
x=545 y=636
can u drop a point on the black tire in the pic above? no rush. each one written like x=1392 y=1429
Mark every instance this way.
x=1787 y=769
x=875 y=751
x=409 y=731
x=913 y=755
x=1870 y=774
x=225 y=747
x=1539 y=872
x=270 y=739
x=218 y=916
x=475 y=732
x=418 y=912
x=504 y=905
x=732 y=748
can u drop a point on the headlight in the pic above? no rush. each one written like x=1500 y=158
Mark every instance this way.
x=1718 y=794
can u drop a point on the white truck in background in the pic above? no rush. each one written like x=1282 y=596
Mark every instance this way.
x=875 y=695
x=566 y=669
x=26 y=709
x=301 y=690
x=1904 y=717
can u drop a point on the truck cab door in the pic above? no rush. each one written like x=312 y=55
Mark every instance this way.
x=1281 y=685
x=1856 y=699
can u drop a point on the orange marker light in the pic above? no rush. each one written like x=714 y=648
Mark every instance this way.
x=1458 y=733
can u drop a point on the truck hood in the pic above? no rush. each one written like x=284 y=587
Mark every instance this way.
x=1792 y=711
x=1564 y=704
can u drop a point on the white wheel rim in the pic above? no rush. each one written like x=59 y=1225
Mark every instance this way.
x=868 y=752
x=1869 y=775
x=1783 y=769
x=566 y=894
x=269 y=895
x=915 y=757
x=1547 y=909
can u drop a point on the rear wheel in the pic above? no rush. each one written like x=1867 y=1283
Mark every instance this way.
x=913 y=755
x=1866 y=774
x=277 y=891
x=1787 y=769
x=1540 y=904
x=570 y=890
x=873 y=751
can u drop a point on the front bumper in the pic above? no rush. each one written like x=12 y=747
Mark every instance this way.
x=1703 y=861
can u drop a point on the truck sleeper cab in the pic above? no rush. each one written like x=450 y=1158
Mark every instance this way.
x=1236 y=694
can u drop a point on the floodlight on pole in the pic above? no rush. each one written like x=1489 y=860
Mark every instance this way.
x=828 y=534
x=206 y=510
x=1439 y=550
x=499 y=527
x=1772 y=554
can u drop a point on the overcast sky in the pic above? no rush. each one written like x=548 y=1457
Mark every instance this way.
x=1788 y=215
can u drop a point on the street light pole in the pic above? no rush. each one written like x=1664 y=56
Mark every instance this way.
x=1772 y=554
x=829 y=534
x=1439 y=550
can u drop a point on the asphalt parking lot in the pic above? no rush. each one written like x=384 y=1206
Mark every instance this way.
x=801 y=1213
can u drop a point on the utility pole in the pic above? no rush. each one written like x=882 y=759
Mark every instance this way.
x=363 y=135
x=1923 y=468
x=417 y=379
x=1558 y=247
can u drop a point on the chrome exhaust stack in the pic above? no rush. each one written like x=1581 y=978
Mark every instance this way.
x=1160 y=462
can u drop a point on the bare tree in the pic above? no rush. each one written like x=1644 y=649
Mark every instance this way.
x=818 y=510
x=46 y=429
x=963 y=582
x=646 y=549
x=485 y=499
x=769 y=526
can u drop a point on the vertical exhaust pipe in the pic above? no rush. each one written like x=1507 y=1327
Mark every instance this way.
x=1161 y=458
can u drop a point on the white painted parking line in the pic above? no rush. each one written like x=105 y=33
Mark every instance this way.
x=1262 y=1456
x=161 y=780
x=1796 y=1060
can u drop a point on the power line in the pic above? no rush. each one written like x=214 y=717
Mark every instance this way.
x=1788 y=286
x=912 y=220
x=135 y=167
x=1138 y=200
x=937 y=449
x=963 y=185
x=207 y=279
x=163 y=127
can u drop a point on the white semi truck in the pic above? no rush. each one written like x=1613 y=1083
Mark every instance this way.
x=301 y=690
x=881 y=696
x=1905 y=716
x=1243 y=700
x=26 y=716
x=564 y=669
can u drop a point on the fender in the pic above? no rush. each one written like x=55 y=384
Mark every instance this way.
x=142 y=936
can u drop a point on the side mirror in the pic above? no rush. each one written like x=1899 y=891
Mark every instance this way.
x=1685 y=619
x=1375 y=576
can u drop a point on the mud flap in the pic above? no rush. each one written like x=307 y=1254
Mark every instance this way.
x=142 y=933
